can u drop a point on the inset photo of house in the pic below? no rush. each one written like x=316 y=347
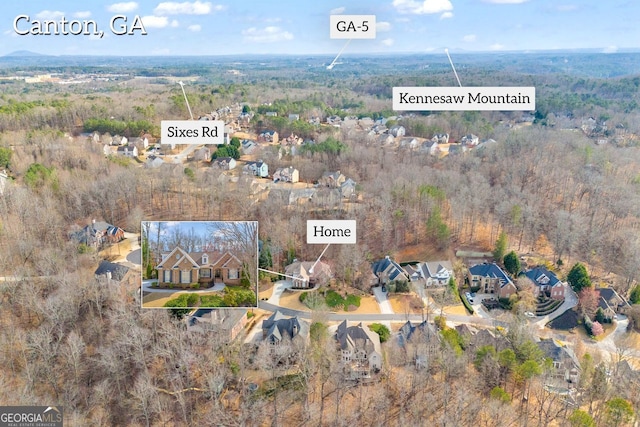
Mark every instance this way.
x=199 y=264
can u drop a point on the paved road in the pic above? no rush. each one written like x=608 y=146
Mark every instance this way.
x=135 y=257
x=454 y=318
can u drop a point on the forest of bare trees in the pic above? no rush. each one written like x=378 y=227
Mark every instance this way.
x=69 y=340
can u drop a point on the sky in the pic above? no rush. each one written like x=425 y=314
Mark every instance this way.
x=301 y=27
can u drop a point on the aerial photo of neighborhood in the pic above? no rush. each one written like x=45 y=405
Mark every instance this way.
x=340 y=213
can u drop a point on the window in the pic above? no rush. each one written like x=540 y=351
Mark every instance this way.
x=167 y=276
x=185 y=276
x=205 y=273
x=205 y=259
x=233 y=273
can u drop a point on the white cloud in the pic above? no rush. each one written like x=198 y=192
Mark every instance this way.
x=186 y=8
x=195 y=28
x=446 y=15
x=422 y=8
x=496 y=46
x=387 y=42
x=469 y=38
x=610 y=49
x=50 y=14
x=383 y=26
x=155 y=21
x=175 y=24
x=123 y=7
x=82 y=14
x=505 y=1
x=266 y=35
x=337 y=11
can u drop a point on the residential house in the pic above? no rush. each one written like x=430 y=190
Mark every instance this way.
x=258 y=168
x=546 y=283
x=490 y=279
x=332 y=179
x=268 y=136
x=409 y=143
x=271 y=114
x=289 y=174
x=435 y=273
x=153 y=162
x=441 y=138
x=306 y=275
x=97 y=234
x=225 y=323
x=361 y=354
x=611 y=302
x=286 y=336
x=202 y=154
x=244 y=119
x=334 y=120
x=292 y=196
x=113 y=273
x=430 y=147
x=474 y=338
x=348 y=188
x=127 y=151
x=420 y=342
x=470 y=139
x=366 y=123
x=565 y=362
x=119 y=140
x=248 y=146
x=294 y=117
x=387 y=270
x=397 y=131
x=224 y=163
x=181 y=267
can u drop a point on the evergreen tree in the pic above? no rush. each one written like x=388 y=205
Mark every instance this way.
x=578 y=277
x=512 y=263
x=501 y=246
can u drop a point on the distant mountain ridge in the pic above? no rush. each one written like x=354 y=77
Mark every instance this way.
x=23 y=53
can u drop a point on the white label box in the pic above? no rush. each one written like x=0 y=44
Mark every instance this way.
x=331 y=231
x=464 y=98
x=192 y=132
x=352 y=27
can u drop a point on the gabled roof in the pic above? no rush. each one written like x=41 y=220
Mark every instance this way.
x=612 y=297
x=277 y=327
x=540 y=276
x=390 y=267
x=176 y=257
x=491 y=271
x=116 y=271
x=557 y=352
x=432 y=269
x=408 y=330
x=357 y=338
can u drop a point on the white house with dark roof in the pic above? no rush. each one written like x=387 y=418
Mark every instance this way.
x=258 y=168
x=435 y=273
x=224 y=163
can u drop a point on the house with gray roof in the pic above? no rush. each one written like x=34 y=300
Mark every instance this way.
x=111 y=272
x=285 y=336
x=490 y=279
x=225 y=323
x=258 y=168
x=565 y=363
x=546 y=283
x=360 y=351
x=435 y=273
x=420 y=342
x=387 y=270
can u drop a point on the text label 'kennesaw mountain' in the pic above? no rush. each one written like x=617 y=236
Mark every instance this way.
x=464 y=98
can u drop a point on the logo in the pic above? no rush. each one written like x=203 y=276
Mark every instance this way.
x=30 y=416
